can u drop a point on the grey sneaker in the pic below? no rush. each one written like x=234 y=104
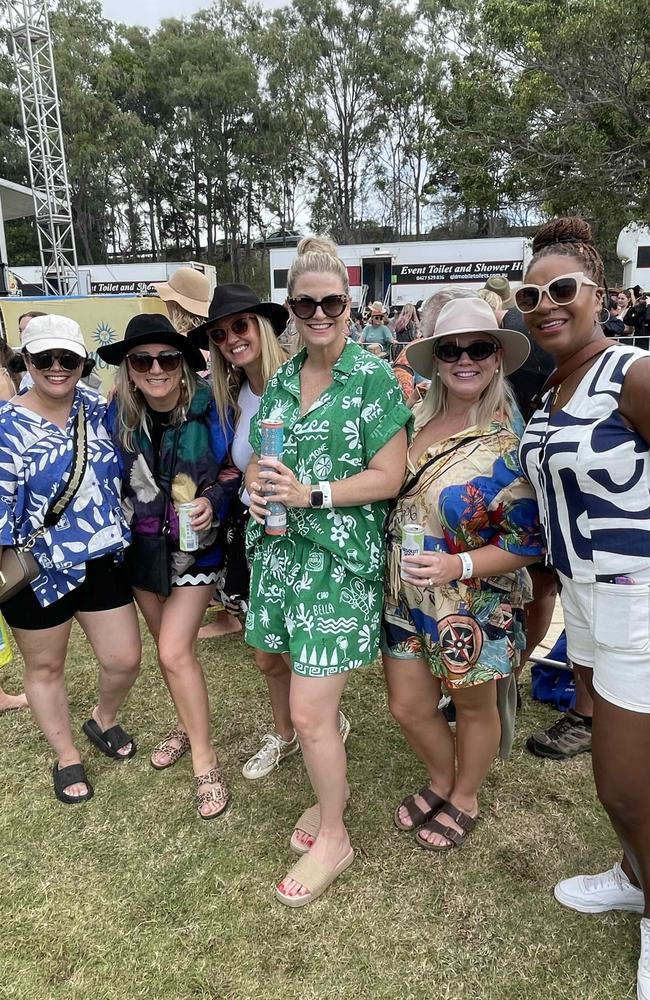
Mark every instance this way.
x=568 y=737
x=270 y=755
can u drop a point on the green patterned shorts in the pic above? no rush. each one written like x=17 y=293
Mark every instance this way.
x=304 y=602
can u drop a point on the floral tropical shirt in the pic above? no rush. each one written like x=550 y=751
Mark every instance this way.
x=35 y=461
x=475 y=495
x=338 y=436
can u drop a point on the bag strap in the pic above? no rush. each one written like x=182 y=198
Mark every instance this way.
x=166 y=486
x=407 y=487
x=66 y=494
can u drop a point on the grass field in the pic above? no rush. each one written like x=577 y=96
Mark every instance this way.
x=132 y=896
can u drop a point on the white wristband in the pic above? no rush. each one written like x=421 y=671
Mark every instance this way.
x=467 y=564
x=326 y=490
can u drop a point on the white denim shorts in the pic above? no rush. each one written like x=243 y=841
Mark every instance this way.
x=608 y=629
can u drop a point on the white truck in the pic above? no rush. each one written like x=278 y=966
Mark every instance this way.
x=111 y=279
x=633 y=251
x=397 y=273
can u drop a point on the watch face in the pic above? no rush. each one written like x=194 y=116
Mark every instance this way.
x=316 y=498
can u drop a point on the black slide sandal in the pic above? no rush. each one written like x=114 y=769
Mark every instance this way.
x=110 y=741
x=74 y=774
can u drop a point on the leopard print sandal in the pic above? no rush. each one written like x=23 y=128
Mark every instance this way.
x=217 y=793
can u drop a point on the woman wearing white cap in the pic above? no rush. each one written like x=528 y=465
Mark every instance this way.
x=60 y=499
x=454 y=614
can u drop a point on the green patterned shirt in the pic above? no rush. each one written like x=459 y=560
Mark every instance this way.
x=339 y=435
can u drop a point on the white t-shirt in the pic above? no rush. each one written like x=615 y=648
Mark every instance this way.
x=249 y=405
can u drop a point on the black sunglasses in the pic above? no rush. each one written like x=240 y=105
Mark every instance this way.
x=479 y=350
x=239 y=327
x=167 y=360
x=44 y=360
x=304 y=307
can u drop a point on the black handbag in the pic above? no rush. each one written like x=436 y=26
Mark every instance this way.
x=148 y=559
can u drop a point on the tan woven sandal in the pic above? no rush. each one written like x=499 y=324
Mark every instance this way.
x=308 y=823
x=314 y=877
x=174 y=753
x=217 y=793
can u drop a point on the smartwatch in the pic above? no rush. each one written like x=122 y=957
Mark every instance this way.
x=321 y=496
x=316 y=498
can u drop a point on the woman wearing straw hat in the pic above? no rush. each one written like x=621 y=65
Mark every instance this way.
x=454 y=613
x=186 y=296
x=173 y=451
x=376 y=331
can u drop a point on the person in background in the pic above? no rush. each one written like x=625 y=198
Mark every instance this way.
x=53 y=437
x=407 y=325
x=586 y=450
x=454 y=614
x=614 y=325
x=316 y=589
x=377 y=330
x=173 y=449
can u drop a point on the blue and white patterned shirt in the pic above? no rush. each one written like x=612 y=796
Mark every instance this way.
x=35 y=461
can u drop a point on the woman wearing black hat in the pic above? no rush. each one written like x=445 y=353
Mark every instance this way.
x=173 y=450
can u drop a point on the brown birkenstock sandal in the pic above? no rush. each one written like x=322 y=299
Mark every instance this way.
x=416 y=815
x=174 y=753
x=456 y=838
x=314 y=877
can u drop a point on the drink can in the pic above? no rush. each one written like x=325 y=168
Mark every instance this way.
x=272 y=447
x=412 y=542
x=188 y=539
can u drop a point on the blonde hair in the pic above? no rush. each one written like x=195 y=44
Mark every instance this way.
x=493 y=300
x=182 y=319
x=317 y=255
x=227 y=380
x=497 y=400
x=132 y=409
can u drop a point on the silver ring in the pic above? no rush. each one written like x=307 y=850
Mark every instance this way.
x=430 y=581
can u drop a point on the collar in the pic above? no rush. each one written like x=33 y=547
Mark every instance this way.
x=289 y=373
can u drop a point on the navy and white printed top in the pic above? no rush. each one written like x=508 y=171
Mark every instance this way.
x=35 y=460
x=591 y=474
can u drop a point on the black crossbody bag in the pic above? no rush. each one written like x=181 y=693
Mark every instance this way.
x=149 y=557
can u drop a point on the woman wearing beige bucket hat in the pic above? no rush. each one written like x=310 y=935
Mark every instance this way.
x=454 y=614
x=186 y=296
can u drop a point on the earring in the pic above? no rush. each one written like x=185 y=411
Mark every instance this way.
x=497 y=369
x=437 y=374
x=606 y=319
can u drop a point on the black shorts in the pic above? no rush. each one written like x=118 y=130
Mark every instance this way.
x=105 y=588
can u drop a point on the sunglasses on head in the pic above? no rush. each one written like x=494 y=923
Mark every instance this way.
x=239 y=326
x=44 y=360
x=561 y=291
x=304 y=307
x=479 y=350
x=142 y=362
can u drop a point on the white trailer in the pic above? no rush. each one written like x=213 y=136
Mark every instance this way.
x=397 y=273
x=633 y=251
x=113 y=279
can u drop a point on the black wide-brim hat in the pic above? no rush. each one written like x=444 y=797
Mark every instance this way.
x=152 y=328
x=230 y=299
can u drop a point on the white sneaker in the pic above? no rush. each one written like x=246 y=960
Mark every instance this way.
x=344 y=726
x=610 y=890
x=270 y=755
x=643 y=974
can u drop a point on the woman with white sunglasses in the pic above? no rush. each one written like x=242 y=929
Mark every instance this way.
x=587 y=452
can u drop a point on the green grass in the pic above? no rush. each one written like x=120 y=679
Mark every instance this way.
x=132 y=896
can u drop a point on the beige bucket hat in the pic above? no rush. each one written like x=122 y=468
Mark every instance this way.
x=189 y=288
x=469 y=316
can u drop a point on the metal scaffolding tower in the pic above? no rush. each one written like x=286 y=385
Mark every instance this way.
x=29 y=29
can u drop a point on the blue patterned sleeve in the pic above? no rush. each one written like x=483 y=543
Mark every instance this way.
x=8 y=486
x=512 y=509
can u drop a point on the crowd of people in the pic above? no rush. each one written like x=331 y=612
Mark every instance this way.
x=511 y=430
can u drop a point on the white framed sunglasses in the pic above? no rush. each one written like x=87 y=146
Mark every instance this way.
x=562 y=291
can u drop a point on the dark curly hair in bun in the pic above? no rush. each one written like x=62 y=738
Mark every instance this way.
x=570 y=237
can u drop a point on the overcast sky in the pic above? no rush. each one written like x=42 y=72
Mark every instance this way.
x=151 y=12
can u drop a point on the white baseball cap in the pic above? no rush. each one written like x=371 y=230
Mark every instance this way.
x=51 y=333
